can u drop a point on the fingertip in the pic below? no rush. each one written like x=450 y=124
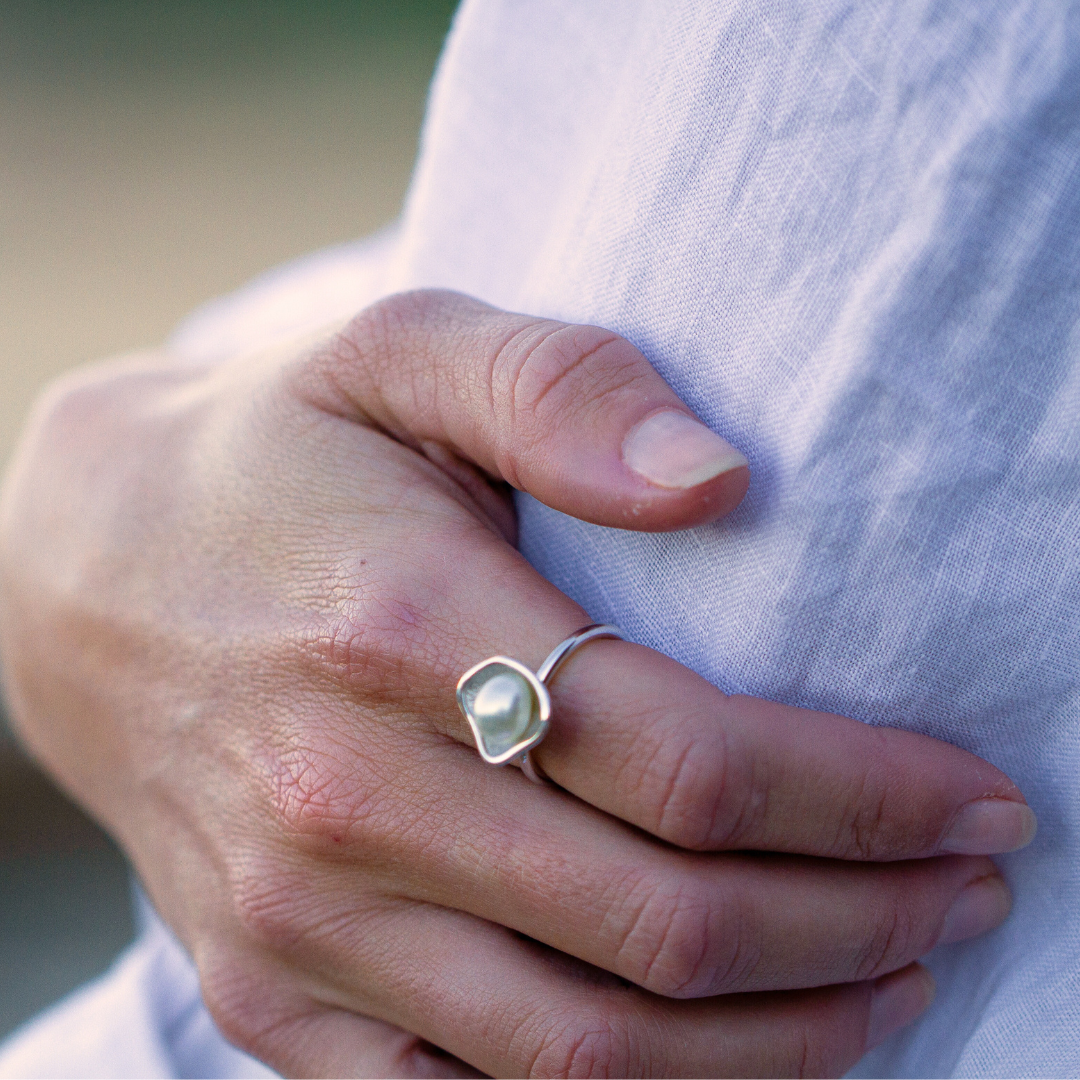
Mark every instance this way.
x=896 y=1000
x=990 y=826
x=685 y=474
x=730 y=490
x=673 y=450
x=982 y=906
x=667 y=510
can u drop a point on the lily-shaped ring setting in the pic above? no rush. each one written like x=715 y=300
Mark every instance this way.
x=508 y=707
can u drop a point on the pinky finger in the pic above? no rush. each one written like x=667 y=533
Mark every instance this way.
x=298 y=1036
x=513 y=1007
x=327 y=1041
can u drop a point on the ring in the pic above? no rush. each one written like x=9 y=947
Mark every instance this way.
x=508 y=706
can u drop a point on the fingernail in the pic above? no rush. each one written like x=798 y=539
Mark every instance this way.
x=673 y=450
x=983 y=905
x=990 y=827
x=896 y=1000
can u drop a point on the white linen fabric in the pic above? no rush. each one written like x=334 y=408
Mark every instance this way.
x=847 y=234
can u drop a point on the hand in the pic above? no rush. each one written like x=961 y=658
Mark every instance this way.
x=235 y=605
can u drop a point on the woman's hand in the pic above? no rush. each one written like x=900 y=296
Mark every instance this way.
x=235 y=603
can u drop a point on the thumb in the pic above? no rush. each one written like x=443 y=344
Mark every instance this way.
x=574 y=415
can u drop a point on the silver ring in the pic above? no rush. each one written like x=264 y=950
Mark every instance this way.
x=508 y=706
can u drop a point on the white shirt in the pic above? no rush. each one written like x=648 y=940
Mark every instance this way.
x=847 y=234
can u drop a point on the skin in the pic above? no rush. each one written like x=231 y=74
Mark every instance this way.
x=234 y=605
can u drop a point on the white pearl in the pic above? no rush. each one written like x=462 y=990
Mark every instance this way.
x=503 y=710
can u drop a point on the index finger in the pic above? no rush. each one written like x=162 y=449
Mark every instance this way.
x=640 y=736
x=644 y=738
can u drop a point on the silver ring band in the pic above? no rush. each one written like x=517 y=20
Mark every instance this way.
x=508 y=707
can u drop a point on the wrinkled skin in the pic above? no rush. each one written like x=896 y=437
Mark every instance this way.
x=235 y=604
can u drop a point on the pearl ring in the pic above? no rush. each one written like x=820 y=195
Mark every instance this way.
x=508 y=706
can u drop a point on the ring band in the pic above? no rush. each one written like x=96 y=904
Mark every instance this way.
x=508 y=707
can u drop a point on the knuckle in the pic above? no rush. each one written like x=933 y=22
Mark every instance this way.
x=806 y=1056
x=235 y=1008
x=584 y=1046
x=370 y=679
x=375 y=643
x=368 y=335
x=334 y=799
x=707 y=795
x=328 y=793
x=689 y=941
x=268 y=903
x=667 y=942
x=349 y=651
x=238 y=1001
x=370 y=348
x=404 y=325
x=888 y=945
x=547 y=367
x=68 y=402
x=681 y=816
x=80 y=396
x=737 y=943
x=82 y=413
x=863 y=825
x=313 y=794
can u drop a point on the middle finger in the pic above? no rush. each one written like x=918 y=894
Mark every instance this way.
x=453 y=832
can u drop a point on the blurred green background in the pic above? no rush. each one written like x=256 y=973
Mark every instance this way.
x=152 y=156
